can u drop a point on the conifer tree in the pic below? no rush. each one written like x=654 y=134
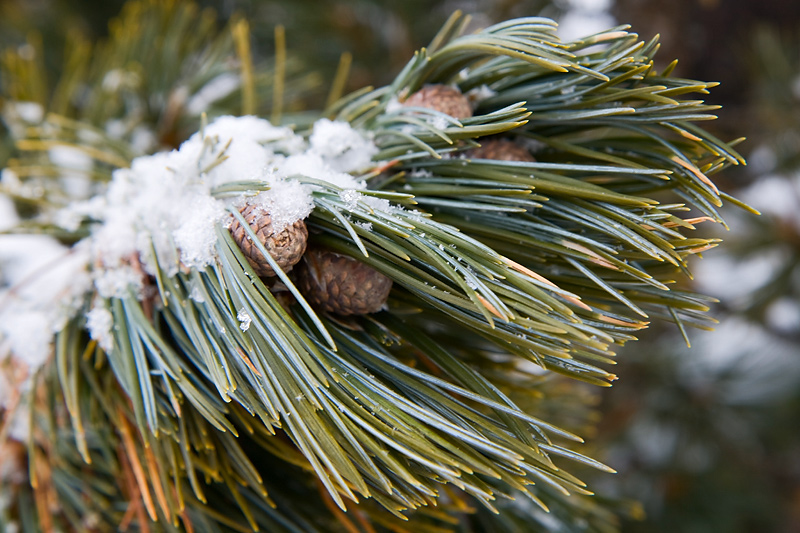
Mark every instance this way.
x=378 y=314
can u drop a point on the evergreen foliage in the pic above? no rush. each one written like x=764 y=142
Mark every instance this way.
x=733 y=399
x=429 y=411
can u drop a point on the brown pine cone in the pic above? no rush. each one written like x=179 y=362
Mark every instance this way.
x=500 y=150
x=340 y=284
x=286 y=247
x=444 y=98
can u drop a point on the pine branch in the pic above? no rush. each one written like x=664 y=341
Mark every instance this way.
x=206 y=375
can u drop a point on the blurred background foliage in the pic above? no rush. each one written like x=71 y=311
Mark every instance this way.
x=705 y=438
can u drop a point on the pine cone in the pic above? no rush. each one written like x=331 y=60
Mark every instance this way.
x=341 y=284
x=286 y=247
x=444 y=98
x=500 y=150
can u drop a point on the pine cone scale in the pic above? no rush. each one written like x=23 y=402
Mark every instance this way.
x=340 y=284
x=443 y=98
x=286 y=246
x=500 y=150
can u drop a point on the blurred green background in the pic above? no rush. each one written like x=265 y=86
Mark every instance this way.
x=706 y=438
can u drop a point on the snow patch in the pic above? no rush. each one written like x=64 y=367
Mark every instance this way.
x=197 y=295
x=74 y=165
x=479 y=94
x=29 y=112
x=312 y=165
x=341 y=147
x=244 y=319
x=118 y=79
x=194 y=235
x=585 y=17
x=44 y=285
x=784 y=315
x=8 y=214
x=438 y=122
x=736 y=279
x=99 y=323
x=393 y=105
x=27 y=333
x=350 y=197
x=287 y=201
x=161 y=213
x=776 y=195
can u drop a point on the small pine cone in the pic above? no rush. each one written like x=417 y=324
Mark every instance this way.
x=341 y=284
x=500 y=150
x=444 y=98
x=286 y=247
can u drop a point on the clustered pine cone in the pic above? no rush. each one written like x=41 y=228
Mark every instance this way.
x=500 y=150
x=443 y=98
x=329 y=281
x=286 y=246
x=340 y=284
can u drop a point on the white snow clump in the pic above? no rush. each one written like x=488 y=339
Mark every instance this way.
x=159 y=213
x=162 y=210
